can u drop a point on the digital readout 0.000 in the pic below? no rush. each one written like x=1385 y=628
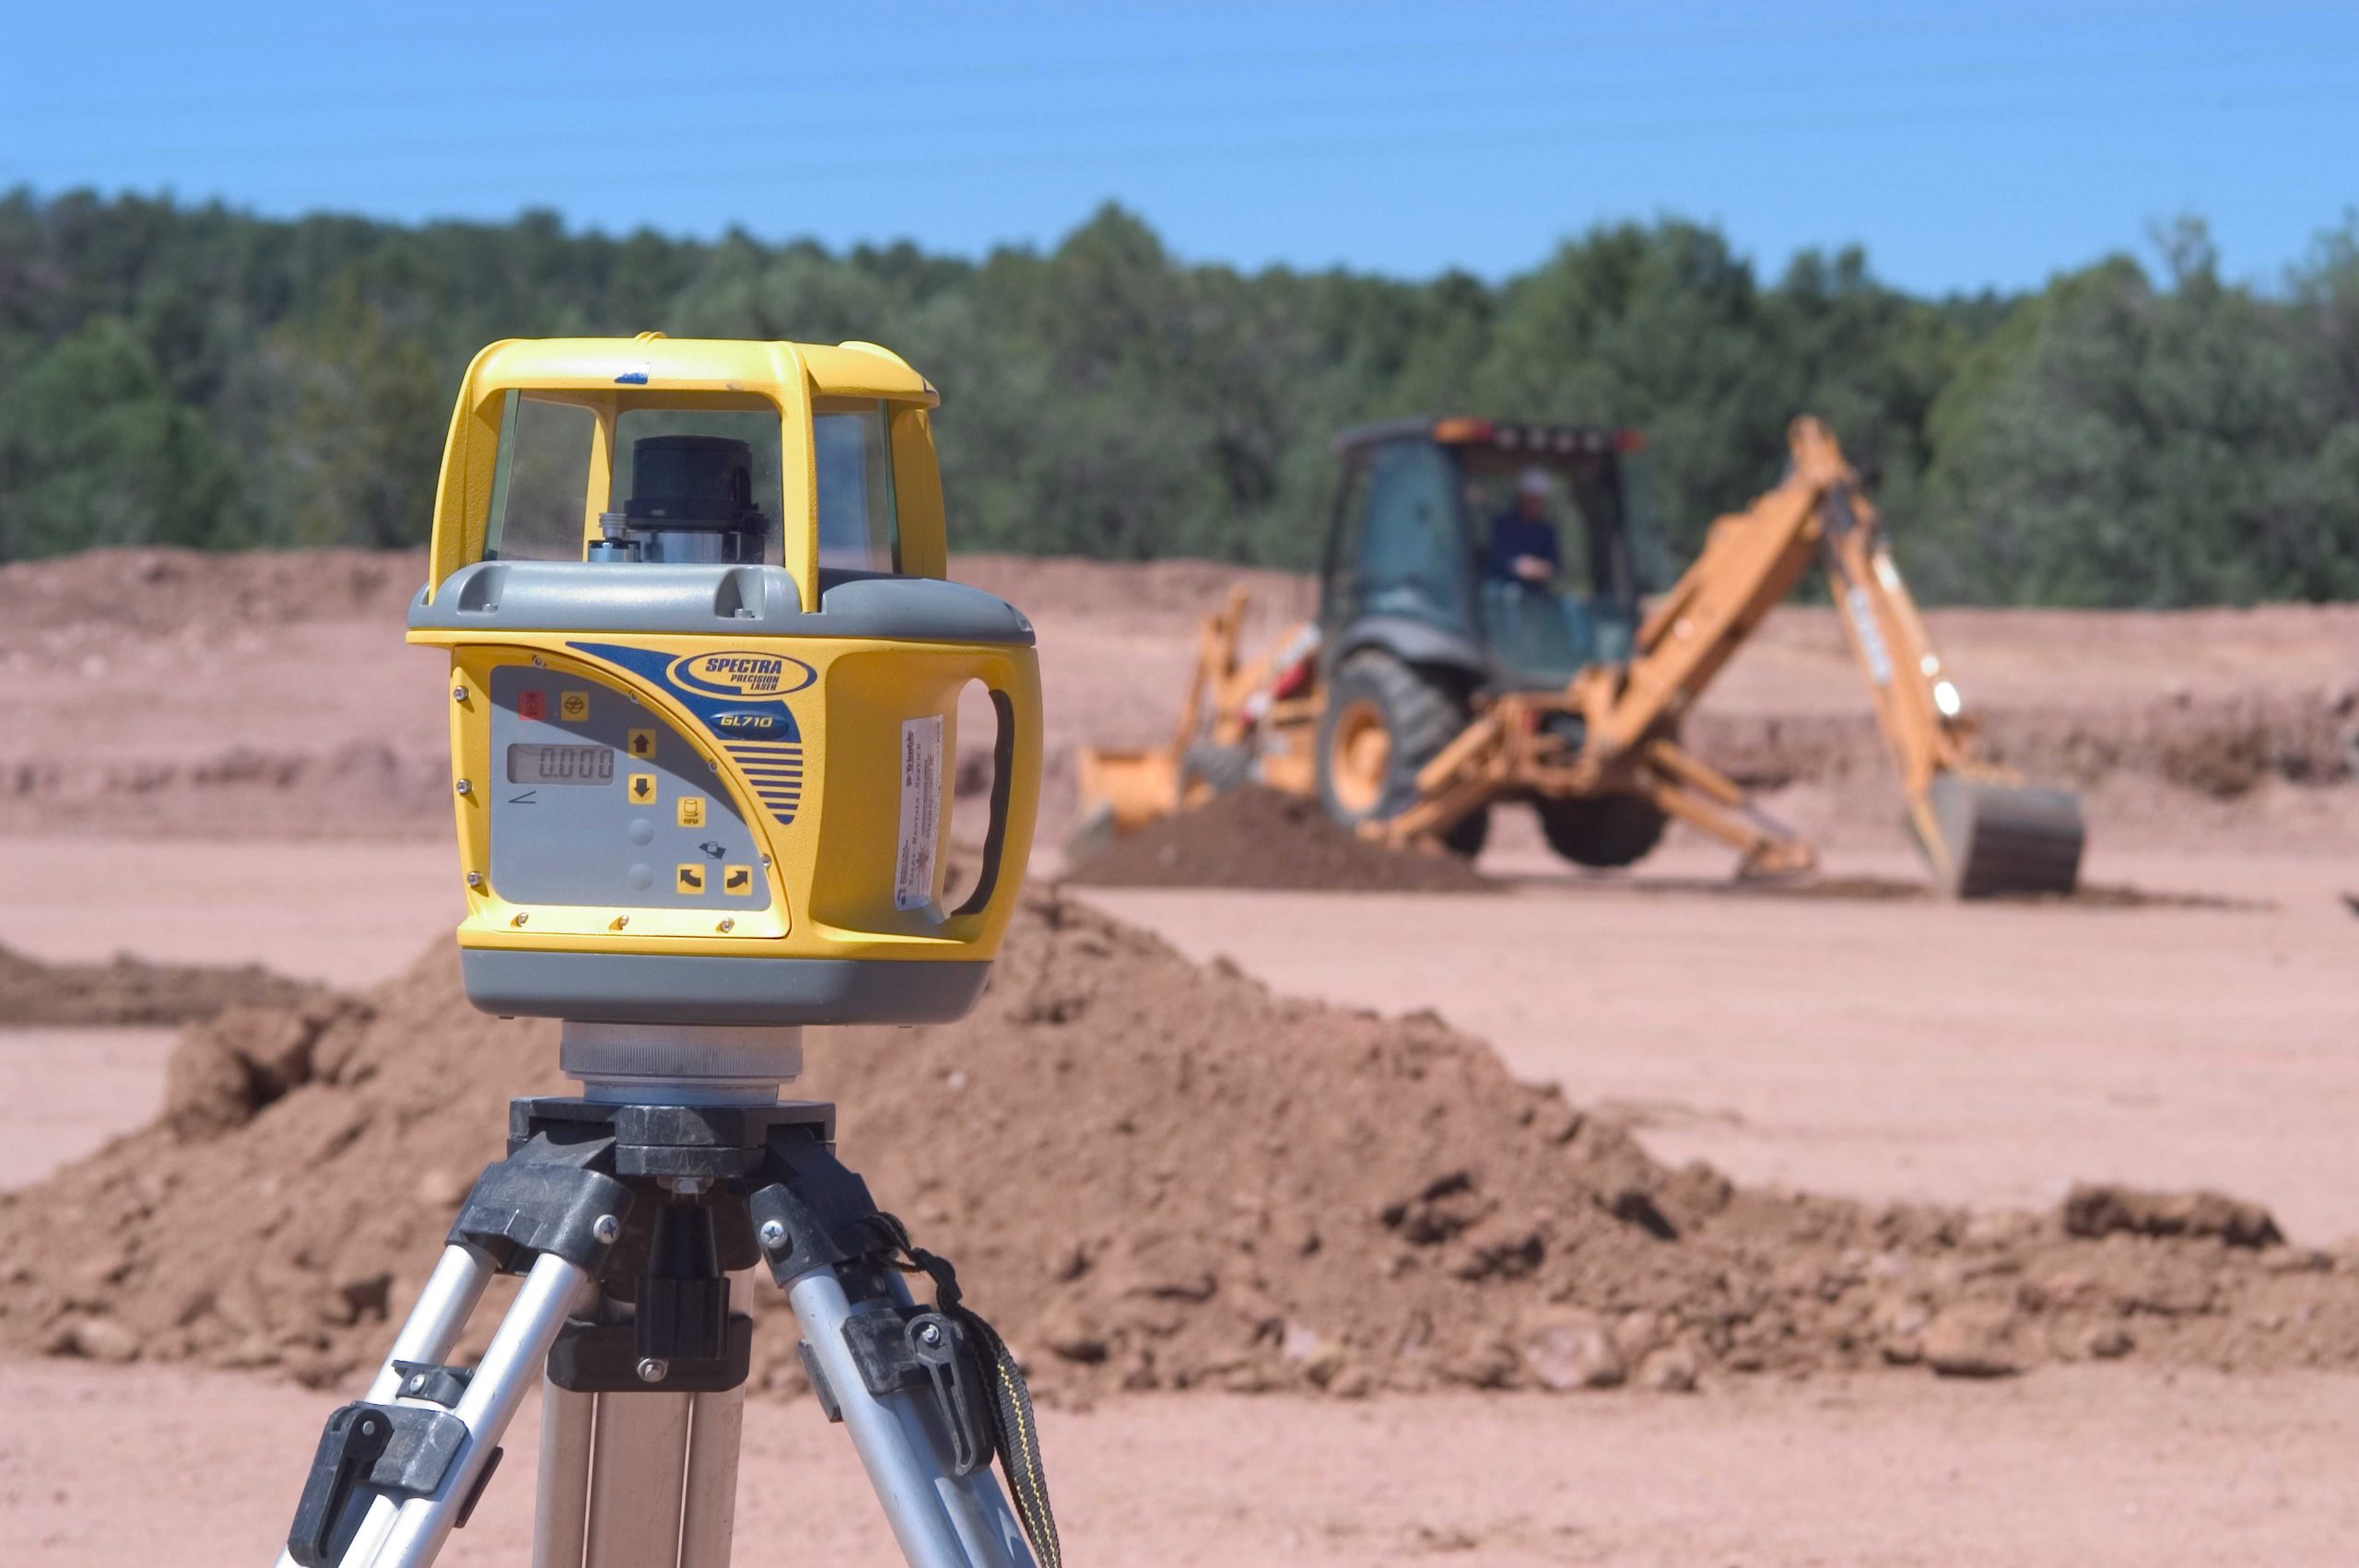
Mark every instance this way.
x=561 y=765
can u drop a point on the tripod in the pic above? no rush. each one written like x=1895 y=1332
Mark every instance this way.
x=624 y=1209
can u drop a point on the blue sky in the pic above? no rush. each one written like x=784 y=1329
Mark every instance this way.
x=1965 y=145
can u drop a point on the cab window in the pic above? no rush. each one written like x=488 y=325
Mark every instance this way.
x=1409 y=546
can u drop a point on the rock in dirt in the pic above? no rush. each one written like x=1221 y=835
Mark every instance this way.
x=94 y=1339
x=1972 y=1339
x=225 y=1069
x=1672 y=1370
x=1151 y=1173
x=1566 y=1349
x=1253 y=838
x=2092 y=1210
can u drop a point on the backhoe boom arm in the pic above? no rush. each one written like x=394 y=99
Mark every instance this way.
x=1972 y=819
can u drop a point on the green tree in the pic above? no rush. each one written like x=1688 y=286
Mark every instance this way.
x=359 y=411
x=2125 y=442
x=93 y=450
x=2127 y=434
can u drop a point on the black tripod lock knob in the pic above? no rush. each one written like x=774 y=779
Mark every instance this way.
x=349 y=1448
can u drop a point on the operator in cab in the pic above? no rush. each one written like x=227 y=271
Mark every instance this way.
x=1524 y=546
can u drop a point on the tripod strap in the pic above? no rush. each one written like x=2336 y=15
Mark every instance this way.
x=1016 y=1435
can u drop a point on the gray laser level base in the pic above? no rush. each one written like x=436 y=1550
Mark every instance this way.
x=624 y=1218
x=658 y=987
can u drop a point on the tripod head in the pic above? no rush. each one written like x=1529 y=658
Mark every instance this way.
x=705 y=673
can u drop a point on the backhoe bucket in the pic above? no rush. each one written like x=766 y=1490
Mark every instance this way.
x=1120 y=792
x=2005 y=838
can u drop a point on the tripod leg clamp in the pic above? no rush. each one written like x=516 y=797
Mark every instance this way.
x=545 y=1198
x=369 y=1451
x=922 y=1349
x=813 y=1213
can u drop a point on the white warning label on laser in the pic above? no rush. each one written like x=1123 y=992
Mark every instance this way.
x=920 y=812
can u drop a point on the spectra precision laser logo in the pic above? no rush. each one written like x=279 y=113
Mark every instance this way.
x=741 y=674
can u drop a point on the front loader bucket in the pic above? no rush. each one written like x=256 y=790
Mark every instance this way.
x=1120 y=792
x=2005 y=838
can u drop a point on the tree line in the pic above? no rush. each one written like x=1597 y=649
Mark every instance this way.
x=2137 y=434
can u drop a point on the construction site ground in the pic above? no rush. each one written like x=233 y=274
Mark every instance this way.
x=219 y=761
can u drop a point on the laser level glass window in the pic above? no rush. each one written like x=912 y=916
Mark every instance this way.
x=757 y=429
x=548 y=503
x=859 y=528
x=561 y=765
x=539 y=480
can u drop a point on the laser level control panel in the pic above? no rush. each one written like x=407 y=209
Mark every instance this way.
x=597 y=801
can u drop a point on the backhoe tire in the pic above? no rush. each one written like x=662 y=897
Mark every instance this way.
x=1602 y=831
x=1386 y=719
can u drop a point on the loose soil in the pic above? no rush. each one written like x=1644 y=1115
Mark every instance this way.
x=267 y=695
x=130 y=990
x=1152 y=1175
x=1257 y=837
x=1878 y=889
x=2083 y=1467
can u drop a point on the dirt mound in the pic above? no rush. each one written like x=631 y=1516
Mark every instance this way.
x=1891 y=890
x=1152 y=1175
x=156 y=590
x=261 y=694
x=1170 y=595
x=2215 y=747
x=128 y=990
x=360 y=786
x=1260 y=838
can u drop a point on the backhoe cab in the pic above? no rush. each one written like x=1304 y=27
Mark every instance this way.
x=1420 y=555
x=1466 y=559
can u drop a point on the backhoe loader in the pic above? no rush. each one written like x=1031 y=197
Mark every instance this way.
x=1434 y=685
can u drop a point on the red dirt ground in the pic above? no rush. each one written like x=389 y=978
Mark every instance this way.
x=220 y=761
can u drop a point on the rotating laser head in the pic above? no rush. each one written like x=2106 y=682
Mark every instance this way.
x=705 y=685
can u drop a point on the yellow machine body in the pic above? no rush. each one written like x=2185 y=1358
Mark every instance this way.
x=1981 y=829
x=716 y=789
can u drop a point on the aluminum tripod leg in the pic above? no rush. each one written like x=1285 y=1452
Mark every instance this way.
x=612 y=1207
x=408 y=1534
x=561 y=1502
x=941 y=1519
x=637 y=1480
x=427 y=1334
x=709 y=1507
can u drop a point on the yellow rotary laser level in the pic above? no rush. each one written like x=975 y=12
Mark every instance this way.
x=705 y=684
x=705 y=676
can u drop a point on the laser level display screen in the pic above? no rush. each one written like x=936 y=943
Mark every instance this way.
x=561 y=765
